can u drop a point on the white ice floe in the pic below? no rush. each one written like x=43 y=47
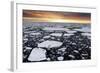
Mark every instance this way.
x=60 y=58
x=26 y=32
x=37 y=54
x=66 y=34
x=25 y=39
x=50 y=44
x=73 y=43
x=84 y=54
x=62 y=49
x=48 y=59
x=35 y=33
x=71 y=56
x=71 y=31
x=56 y=34
x=28 y=48
x=76 y=51
x=85 y=29
x=55 y=29
x=41 y=40
x=45 y=37
x=86 y=34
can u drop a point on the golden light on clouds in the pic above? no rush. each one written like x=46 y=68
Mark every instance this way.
x=51 y=16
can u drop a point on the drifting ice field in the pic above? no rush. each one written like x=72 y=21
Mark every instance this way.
x=44 y=41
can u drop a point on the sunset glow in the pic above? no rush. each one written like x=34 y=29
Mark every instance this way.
x=51 y=16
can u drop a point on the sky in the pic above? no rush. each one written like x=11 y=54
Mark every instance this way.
x=56 y=16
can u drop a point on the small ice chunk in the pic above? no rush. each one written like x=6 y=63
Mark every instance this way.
x=45 y=37
x=71 y=56
x=60 y=58
x=35 y=33
x=28 y=48
x=71 y=31
x=25 y=39
x=76 y=51
x=62 y=49
x=67 y=34
x=84 y=54
x=48 y=59
x=73 y=43
x=56 y=34
x=86 y=34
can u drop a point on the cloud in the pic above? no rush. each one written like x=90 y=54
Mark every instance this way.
x=52 y=16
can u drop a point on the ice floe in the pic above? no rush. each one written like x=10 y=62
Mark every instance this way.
x=37 y=54
x=29 y=48
x=56 y=34
x=60 y=58
x=50 y=44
